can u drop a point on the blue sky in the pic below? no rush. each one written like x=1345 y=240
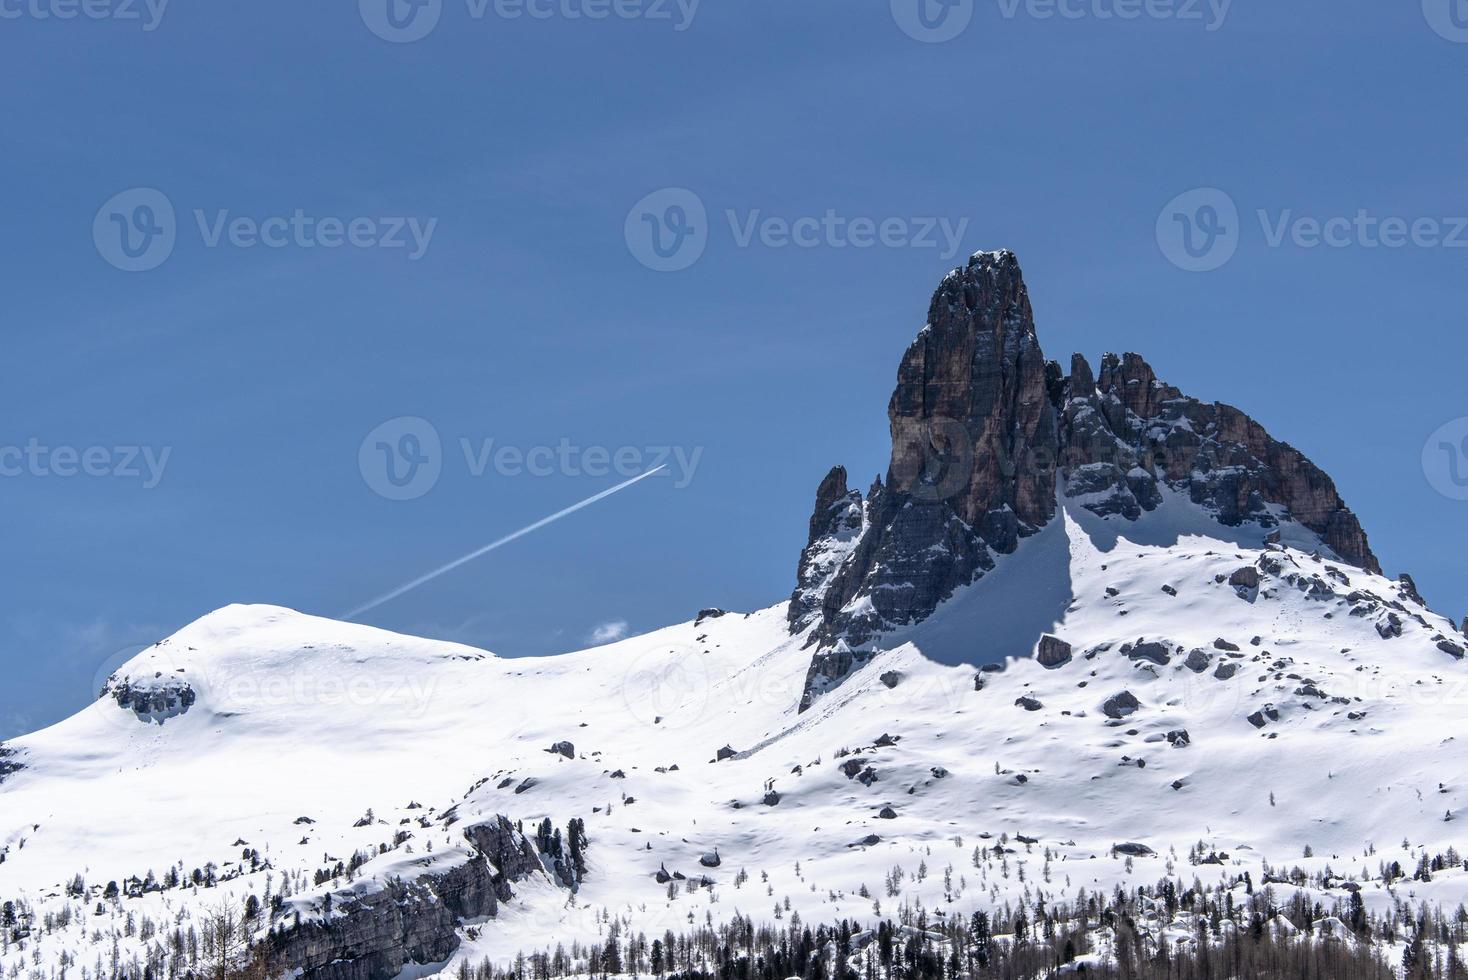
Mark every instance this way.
x=524 y=151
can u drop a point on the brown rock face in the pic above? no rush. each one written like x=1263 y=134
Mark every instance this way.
x=1132 y=432
x=986 y=433
x=971 y=420
x=972 y=471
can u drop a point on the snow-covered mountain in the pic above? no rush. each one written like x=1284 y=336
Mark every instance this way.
x=1085 y=634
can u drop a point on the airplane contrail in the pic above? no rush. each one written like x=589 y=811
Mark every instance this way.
x=479 y=552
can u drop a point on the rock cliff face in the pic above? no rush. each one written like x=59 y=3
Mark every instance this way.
x=372 y=935
x=986 y=435
x=972 y=469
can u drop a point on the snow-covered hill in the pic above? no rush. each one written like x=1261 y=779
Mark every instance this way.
x=1123 y=695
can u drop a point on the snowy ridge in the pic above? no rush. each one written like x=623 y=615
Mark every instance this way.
x=1277 y=700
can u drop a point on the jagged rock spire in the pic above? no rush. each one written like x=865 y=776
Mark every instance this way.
x=986 y=433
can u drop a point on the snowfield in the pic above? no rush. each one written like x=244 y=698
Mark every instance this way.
x=1322 y=708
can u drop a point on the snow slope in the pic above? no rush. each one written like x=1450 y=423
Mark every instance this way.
x=1356 y=748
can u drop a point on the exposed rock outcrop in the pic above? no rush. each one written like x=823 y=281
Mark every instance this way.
x=986 y=436
x=8 y=764
x=971 y=472
x=1052 y=652
x=371 y=934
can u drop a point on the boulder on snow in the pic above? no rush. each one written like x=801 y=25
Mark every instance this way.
x=1225 y=671
x=1225 y=646
x=1156 y=653
x=887 y=813
x=1132 y=849
x=1120 y=705
x=711 y=860
x=563 y=748
x=1197 y=661
x=709 y=614
x=727 y=752
x=1245 y=578
x=1389 y=627
x=892 y=678
x=1029 y=704
x=1052 y=652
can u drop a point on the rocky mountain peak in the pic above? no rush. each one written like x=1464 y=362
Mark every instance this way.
x=988 y=437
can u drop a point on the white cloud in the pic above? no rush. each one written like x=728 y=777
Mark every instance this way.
x=609 y=632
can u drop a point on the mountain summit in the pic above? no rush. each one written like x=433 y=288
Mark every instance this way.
x=987 y=435
x=1088 y=637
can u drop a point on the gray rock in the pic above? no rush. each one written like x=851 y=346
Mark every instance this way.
x=1245 y=578
x=1222 y=644
x=1225 y=671
x=1132 y=849
x=1120 y=705
x=563 y=748
x=1053 y=652
x=1157 y=653
x=373 y=936
x=1029 y=704
x=887 y=813
x=1197 y=661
